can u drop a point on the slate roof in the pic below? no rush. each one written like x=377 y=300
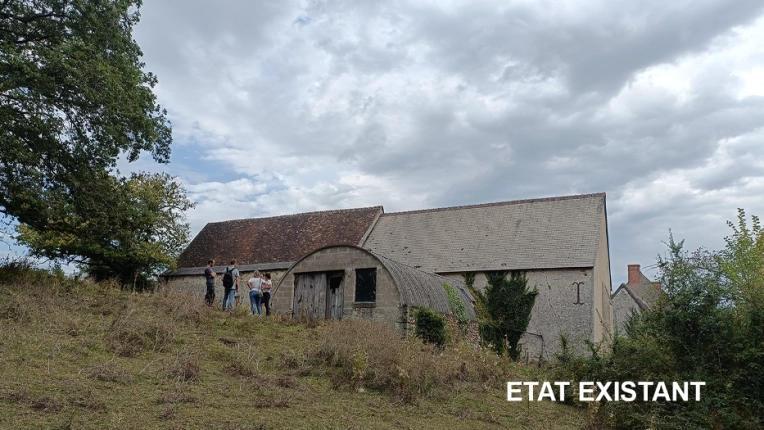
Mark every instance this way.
x=644 y=294
x=277 y=239
x=626 y=290
x=557 y=232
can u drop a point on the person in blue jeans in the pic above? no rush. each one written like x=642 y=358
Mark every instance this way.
x=230 y=285
x=255 y=284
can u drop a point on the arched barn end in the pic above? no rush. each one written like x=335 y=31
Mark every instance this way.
x=345 y=281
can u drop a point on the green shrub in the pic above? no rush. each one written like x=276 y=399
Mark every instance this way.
x=430 y=326
x=506 y=311
x=707 y=325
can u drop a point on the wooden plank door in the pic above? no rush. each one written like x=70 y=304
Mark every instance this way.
x=309 y=295
x=335 y=295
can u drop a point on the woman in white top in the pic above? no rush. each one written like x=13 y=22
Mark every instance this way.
x=255 y=285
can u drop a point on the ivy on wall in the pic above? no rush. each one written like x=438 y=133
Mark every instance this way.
x=457 y=306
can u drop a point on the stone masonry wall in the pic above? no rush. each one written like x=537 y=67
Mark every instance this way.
x=564 y=305
x=197 y=286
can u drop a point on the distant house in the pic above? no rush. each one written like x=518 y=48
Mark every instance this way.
x=637 y=295
x=561 y=243
x=347 y=281
x=269 y=244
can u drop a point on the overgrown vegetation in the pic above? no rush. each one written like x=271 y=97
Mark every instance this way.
x=504 y=311
x=85 y=355
x=708 y=325
x=430 y=326
x=457 y=306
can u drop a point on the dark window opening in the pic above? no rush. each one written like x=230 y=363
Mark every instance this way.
x=335 y=281
x=366 y=285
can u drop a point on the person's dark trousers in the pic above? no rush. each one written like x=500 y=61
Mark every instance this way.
x=209 y=298
x=267 y=302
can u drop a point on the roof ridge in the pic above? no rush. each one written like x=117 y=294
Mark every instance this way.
x=298 y=214
x=504 y=203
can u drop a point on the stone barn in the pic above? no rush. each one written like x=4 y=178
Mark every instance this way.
x=561 y=243
x=340 y=282
x=269 y=244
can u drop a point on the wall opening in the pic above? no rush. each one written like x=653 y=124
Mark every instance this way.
x=366 y=285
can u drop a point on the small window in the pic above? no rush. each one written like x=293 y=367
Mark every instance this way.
x=366 y=285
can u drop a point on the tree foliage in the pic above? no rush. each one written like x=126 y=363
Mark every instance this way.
x=74 y=99
x=135 y=231
x=706 y=326
x=507 y=305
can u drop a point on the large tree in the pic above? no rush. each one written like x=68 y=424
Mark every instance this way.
x=73 y=99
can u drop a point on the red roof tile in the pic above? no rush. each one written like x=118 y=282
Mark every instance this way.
x=277 y=239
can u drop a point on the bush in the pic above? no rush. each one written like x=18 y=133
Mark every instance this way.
x=706 y=326
x=430 y=326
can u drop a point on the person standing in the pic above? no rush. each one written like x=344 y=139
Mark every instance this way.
x=267 y=294
x=255 y=284
x=209 y=276
x=230 y=285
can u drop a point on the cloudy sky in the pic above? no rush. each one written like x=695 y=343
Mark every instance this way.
x=292 y=106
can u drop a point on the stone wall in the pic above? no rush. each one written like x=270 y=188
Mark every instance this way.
x=196 y=285
x=347 y=259
x=602 y=311
x=564 y=306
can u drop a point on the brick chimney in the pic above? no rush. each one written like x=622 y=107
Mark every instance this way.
x=634 y=274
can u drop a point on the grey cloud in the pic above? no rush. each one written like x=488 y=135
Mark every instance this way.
x=474 y=104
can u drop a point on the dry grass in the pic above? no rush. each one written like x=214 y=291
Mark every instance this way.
x=364 y=354
x=82 y=355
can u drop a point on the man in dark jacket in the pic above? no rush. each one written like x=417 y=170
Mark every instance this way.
x=209 y=276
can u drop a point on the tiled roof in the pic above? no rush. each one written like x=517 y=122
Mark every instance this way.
x=277 y=239
x=558 y=232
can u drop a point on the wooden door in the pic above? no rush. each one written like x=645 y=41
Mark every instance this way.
x=335 y=295
x=309 y=295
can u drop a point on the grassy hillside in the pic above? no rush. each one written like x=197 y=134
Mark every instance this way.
x=81 y=355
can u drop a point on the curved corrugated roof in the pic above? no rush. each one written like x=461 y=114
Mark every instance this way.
x=419 y=288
